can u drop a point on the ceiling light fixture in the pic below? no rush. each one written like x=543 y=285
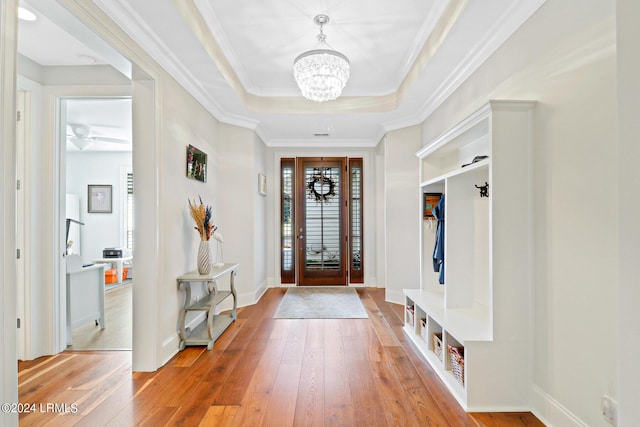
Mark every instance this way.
x=26 y=15
x=321 y=73
x=81 y=143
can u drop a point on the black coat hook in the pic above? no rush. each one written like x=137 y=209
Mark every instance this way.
x=484 y=189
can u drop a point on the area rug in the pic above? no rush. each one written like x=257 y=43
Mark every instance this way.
x=321 y=303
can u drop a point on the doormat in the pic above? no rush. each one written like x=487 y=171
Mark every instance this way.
x=321 y=303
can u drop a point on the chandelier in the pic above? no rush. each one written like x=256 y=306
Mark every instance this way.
x=321 y=73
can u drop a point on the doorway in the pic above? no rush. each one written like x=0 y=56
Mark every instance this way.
x=321 y=221
x=321 y=237
x=45 y=294
x=98 y=150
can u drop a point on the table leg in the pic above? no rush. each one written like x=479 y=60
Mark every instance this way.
x=183 y=313
x=119 y=270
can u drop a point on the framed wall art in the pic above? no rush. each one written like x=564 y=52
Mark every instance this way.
x=196 y=164
x=99 y=199
x=430 y=200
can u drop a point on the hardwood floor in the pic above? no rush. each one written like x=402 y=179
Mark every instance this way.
x=261 y=372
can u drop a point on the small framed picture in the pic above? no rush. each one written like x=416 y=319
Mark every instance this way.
x=99 y=199
x=196 y=164
x=430 y=200
x=262 y=184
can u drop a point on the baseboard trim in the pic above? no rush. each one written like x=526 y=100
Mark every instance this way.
x=551 y=412
x=393 y=296
x=260 y=292
x=170 y=348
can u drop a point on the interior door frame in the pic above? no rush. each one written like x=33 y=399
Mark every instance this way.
x=340 y=277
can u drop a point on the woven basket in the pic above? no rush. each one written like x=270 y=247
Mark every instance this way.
x=423 y=330
x=457 y=362
x=437 y=345
x=410 y=315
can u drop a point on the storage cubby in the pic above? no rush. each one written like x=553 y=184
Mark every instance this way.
x=482 y=167
x=451 y=342
x=409 y=312
x=421 y=322
x=434 y=328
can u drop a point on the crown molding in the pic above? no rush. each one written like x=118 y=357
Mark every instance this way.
x=238 y=120
x=473 y=120
x=134 y=25
x=404 y=122
x=200 y=17
x=515 y=16
x=321 y=142
x=480 y=52
x=202 y=31
x=419 y=42
x=209 y=17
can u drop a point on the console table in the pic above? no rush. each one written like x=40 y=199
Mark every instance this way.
x=214 y=324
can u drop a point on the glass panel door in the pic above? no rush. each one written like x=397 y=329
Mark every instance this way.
x=321 y=228
x=287 y=225
x=356 y=274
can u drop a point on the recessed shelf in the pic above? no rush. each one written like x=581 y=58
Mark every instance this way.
x=210 y=299
x=439 y=180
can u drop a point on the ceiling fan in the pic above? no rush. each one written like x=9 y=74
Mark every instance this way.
x=82 y=137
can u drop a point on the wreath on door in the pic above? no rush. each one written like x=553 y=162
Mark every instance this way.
x=321 y=187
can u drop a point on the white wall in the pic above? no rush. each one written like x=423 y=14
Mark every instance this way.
x=184 y=122
x=101 y=230
x=401 y=204
x=628 y=34
x=260 y=218
x=380 y=242
x=8 y=346
x=564 y=57
x=241 y=209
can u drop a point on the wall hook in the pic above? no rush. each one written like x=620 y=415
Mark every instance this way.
x=484 y=189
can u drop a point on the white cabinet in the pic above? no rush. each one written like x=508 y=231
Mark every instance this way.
x=85 y=295
x=484 y=306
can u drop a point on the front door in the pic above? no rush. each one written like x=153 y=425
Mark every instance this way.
x=321 y=227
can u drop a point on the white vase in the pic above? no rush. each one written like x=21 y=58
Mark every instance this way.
x=204 y=259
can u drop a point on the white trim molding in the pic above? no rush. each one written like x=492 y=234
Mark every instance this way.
x=551 y=412
x=8 y=342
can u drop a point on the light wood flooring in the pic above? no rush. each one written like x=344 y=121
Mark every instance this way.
x=261 y=372
x=118 y=331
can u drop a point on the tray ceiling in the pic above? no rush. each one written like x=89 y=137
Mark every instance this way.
x=235 y=57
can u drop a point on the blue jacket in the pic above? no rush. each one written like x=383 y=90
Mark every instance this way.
x=438 y=250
